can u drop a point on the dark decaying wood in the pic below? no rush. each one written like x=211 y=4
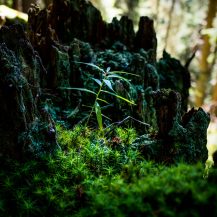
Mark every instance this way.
x=37 y=65
x=24 y=127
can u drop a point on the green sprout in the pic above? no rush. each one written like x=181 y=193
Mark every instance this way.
x=106 y=80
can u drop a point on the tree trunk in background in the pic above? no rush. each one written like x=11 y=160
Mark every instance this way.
x=132 y=10
x=4 y=2
x=214 y=90
x=169 y=23
x=157 y=13
x=129 y=8
x=26 y=4
x=205 y=51
x=47 y=2
x=17 y=5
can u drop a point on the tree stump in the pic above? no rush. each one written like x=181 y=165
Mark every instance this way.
x=181 y=136
x=25 y=128
x=72 y=32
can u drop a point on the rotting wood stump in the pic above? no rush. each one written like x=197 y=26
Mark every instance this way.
x=25 y=128
x=35 y=71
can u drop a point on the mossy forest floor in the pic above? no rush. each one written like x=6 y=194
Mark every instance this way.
x=92 y=176
x=48 y=71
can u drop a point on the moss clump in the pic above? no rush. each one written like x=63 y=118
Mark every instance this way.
x=95 y=178
x=74 y=138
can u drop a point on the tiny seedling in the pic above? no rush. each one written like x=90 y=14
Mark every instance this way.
x=106 y=80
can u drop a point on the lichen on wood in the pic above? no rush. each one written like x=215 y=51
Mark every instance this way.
x=24 y=126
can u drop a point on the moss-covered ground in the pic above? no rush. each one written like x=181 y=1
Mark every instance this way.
x=94 y=176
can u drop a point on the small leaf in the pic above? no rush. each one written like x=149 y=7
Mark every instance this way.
x=120 y=72
x=90 y=64
x=98 y=115
x=97 y=81
x=73 y=112
x=107 y=117
x=118 y=96
x=102 y=100
x=120 y=77
x=108 y=69
x=108 y=84
x=79 y=89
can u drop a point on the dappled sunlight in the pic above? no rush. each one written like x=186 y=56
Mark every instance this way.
x=212 y=139
x=211 y=146
x=11 y=13
x=107 y=8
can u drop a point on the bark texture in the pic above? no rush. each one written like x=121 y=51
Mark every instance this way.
x=205 y=69
x=178 y=137
x=25 y=128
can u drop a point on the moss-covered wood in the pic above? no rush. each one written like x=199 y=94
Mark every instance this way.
x=25 y=127
x=61 y=40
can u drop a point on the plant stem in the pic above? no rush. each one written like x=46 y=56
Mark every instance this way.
x=97 y=95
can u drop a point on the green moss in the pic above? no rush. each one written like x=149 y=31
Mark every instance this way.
x=127 y=135
x=75 y=138
x=97 y=179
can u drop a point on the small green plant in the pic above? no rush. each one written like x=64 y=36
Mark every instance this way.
x=27 y=207
x=106 y=80
x=76 y=137
x=127 y=136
